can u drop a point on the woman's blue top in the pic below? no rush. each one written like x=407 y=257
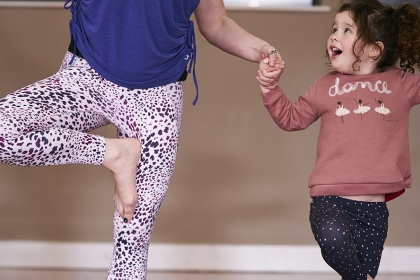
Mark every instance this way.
x=135 y=43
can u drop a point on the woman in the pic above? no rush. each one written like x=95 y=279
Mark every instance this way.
x=126 y=65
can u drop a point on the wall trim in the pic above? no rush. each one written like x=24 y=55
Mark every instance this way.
x=32 y=4
x=229 y=6
x=194 y=257
x=277 y=8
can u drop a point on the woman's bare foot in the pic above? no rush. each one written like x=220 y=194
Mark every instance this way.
x=121 y=158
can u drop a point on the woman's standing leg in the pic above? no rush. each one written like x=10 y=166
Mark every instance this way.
x=153 y=116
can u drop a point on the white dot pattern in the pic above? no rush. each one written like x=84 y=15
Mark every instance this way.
x=351 y=234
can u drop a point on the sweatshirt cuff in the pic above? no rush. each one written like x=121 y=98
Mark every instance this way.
x=272 y=95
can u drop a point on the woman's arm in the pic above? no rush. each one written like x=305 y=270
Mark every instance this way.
x=224 y=33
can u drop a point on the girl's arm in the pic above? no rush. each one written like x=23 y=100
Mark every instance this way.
x=289 y=116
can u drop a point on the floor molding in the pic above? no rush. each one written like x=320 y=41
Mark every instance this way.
x=194 y=257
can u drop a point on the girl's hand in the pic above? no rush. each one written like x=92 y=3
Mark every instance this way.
x=269 y=76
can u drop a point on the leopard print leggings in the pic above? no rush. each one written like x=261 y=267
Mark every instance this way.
x=46 y=123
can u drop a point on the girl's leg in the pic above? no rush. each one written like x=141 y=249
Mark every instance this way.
x=154 y=117
x=334 y=235
x=370 y=227
x=351 y=234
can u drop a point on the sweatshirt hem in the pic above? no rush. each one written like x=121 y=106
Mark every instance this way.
x=391 y=190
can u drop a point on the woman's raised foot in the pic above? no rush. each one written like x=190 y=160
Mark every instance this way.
x=121 y=158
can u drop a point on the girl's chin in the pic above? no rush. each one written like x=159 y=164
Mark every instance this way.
x=341 y=70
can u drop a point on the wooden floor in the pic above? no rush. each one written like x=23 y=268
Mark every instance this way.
x=15 y=274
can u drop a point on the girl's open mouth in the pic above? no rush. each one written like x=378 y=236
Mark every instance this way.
x=336 y=51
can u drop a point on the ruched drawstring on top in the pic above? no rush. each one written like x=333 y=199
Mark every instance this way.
x=192 y=46
x=72 y=6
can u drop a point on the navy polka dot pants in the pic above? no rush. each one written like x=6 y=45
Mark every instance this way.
x=351 y=234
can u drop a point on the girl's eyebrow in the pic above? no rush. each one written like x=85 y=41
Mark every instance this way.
x=346 y=24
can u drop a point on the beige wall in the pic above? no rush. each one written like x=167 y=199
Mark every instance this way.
x=238 y=178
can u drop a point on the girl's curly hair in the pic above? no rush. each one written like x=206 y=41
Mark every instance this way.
x=397 y=28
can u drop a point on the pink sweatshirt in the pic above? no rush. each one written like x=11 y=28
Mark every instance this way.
x=363 y=145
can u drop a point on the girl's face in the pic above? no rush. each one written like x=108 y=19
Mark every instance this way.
x=340 y=46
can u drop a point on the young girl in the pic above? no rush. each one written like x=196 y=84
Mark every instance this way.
x=363 y=150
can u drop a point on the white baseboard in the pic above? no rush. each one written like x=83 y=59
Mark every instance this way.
x=194 y=257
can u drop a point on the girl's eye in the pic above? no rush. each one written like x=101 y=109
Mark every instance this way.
x=334 y=30
x=347 y=30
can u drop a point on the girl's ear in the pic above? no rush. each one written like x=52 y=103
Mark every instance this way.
x=375 y=50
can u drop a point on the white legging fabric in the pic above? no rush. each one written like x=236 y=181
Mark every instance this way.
x=46 y=123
